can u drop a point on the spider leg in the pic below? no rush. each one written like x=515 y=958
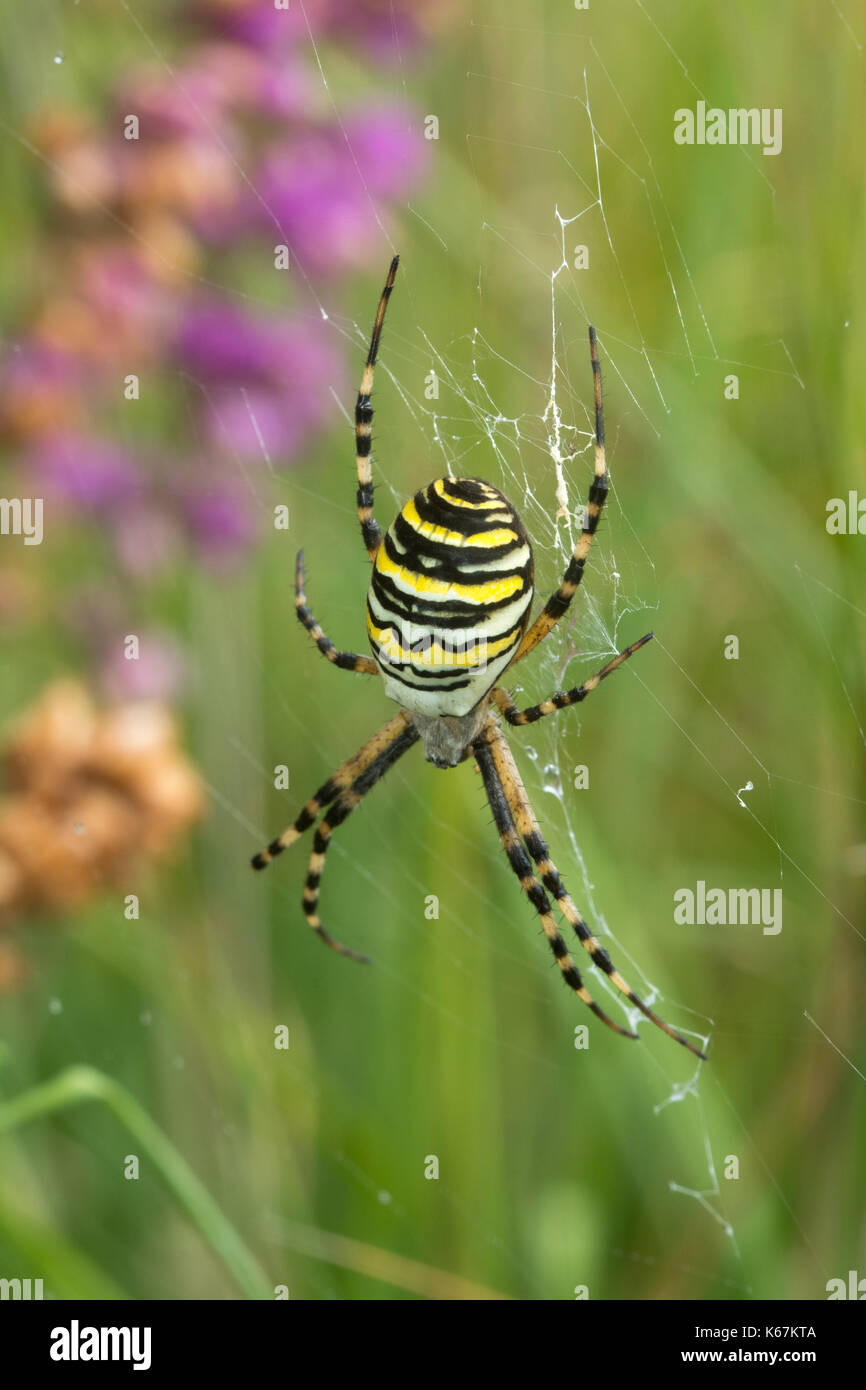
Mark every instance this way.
x=563 y=698
x=340 y=811
x=558 y=603
x=347 y=661
x=524 y=817
x=364 y=426
x=330 y=790
x=518 y=858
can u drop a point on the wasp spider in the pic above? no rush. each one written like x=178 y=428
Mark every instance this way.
x=447 y=611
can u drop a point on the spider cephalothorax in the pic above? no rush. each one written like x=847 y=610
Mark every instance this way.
x=447 y=611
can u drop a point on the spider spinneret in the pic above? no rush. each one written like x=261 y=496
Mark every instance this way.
x=448 y=609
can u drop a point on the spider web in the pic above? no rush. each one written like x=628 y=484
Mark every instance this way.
x=522 y=419
x=535 y=456
x=543 y=456
x=529 y=430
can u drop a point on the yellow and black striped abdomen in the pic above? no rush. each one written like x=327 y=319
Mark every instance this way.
x=450 y=596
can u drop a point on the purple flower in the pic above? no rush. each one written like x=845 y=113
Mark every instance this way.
x=259 y=23
x=288 y=90
x=246 y=96
x=267 y=383
x=314 y=192
x=220 y=79
x=225 y=76
x=169 y=106
x=387 y=31
x=219 y=342
x=253 y=423
x=326 y=194
x=94 y=474
x=222 y=524
x=390 y=149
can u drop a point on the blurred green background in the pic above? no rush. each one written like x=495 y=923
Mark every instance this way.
x=557 y=1167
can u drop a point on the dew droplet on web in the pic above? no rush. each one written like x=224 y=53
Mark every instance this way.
x=55 y=1006
x=552 y=781
x=531 y=753
x=58 y=57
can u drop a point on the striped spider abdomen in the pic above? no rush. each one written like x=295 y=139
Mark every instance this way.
x=449 y=596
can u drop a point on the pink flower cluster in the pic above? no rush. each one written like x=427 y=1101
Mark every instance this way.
x=170 y=210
